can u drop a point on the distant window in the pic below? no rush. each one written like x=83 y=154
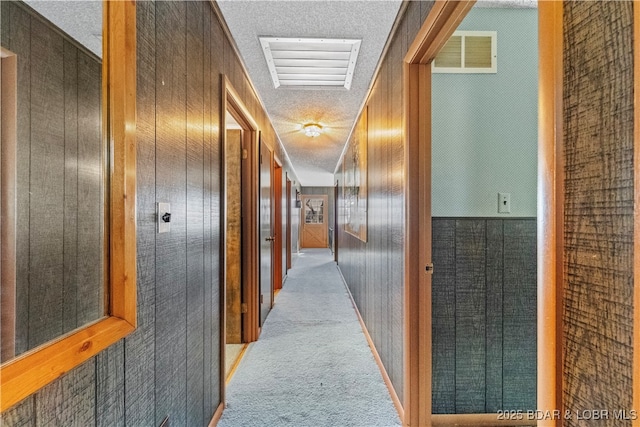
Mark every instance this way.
x=468 y=52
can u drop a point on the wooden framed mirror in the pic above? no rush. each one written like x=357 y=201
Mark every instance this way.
x=27 y=372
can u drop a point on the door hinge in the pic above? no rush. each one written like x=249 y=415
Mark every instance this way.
x=429 y=268
x=245 y=154
x=243 y=307
x=261 y=298
x=260 y=158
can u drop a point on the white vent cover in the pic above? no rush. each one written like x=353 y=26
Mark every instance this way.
x=302 y=62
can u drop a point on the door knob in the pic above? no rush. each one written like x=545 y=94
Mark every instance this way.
x=270 y=239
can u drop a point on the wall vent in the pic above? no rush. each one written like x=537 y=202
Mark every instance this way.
x=310 y=63
x=468 y=52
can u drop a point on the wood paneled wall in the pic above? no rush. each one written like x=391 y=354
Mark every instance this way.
x=170 y=366
x=484 y=315
x=598 y=146
x=59 y=179
x=374 y=269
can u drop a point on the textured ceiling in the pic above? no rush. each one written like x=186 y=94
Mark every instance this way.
x=80 y=19
x=314 y=159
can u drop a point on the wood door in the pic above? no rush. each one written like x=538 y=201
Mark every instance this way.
x=277 y=226
x=315 y=218
x=288 y=231
x=266 y=231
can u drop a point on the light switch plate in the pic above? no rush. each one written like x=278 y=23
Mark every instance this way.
x=504 y=202
x=163 y=208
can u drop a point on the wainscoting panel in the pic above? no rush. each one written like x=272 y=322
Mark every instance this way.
x=484 y=315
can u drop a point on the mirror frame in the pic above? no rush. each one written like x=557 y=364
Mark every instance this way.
x=31 y=371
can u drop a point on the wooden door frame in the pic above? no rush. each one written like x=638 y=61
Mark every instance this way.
x=326 y=216
x=440 y=23
x=232 y=104
x=289 y=219
x=550 y=207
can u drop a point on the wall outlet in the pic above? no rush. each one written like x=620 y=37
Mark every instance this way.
x=504 y=202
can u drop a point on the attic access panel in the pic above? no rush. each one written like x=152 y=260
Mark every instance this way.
x=310 y=63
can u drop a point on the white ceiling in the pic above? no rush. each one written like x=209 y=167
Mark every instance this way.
x=314 y=159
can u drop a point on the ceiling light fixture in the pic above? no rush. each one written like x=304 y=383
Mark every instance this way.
x=312 y=130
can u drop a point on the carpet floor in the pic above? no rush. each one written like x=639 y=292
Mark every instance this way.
x=312 y=366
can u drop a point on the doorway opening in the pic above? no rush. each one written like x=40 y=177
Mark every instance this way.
x=422 y=378
x=239 y=232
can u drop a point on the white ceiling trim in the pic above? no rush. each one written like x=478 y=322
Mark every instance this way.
x=308 y=62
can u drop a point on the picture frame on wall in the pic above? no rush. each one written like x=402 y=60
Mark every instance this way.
x=354 y=187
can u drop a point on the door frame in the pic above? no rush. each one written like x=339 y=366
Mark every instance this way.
x=442 y=20
x=289 y=219
x=326 y=216
x=277 y=184
x=231 y=103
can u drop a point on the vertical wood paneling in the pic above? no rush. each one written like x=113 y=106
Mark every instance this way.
x=209 y=403
x=519 y=318
x=599 y=197
x=71 y=145
x=484 y=315
x=495 y=303
x=470 y=316
x=20 y=43
x=195 y=215
x=46 y=184
x=21 y=415
x=443 y=239
x=110 y=394
x=171 y=259
x=69 y=401
x=217 y=56
x=90 y=191
x=140 y=345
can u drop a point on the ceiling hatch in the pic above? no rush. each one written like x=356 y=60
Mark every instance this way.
x=310 y=63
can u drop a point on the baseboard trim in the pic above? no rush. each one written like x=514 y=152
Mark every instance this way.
x=479 y=420
x=217 y=415
x=376 y=356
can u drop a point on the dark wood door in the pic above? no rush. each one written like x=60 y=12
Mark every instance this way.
x=266 y=231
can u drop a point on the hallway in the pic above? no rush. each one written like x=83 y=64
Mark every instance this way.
x=312 y=365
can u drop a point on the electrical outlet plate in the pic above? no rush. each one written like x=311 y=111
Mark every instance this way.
x=504 y=202
x=163 y=227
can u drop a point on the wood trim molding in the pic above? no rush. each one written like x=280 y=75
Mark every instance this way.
x=636 y=220
x=440 y=23
x=417 y=295
x=550 y=209
x=28 y=373
x=217 y=415
x=231 y=103
x=8 y=180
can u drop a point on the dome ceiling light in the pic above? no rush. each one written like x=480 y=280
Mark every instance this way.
x=312 y=130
